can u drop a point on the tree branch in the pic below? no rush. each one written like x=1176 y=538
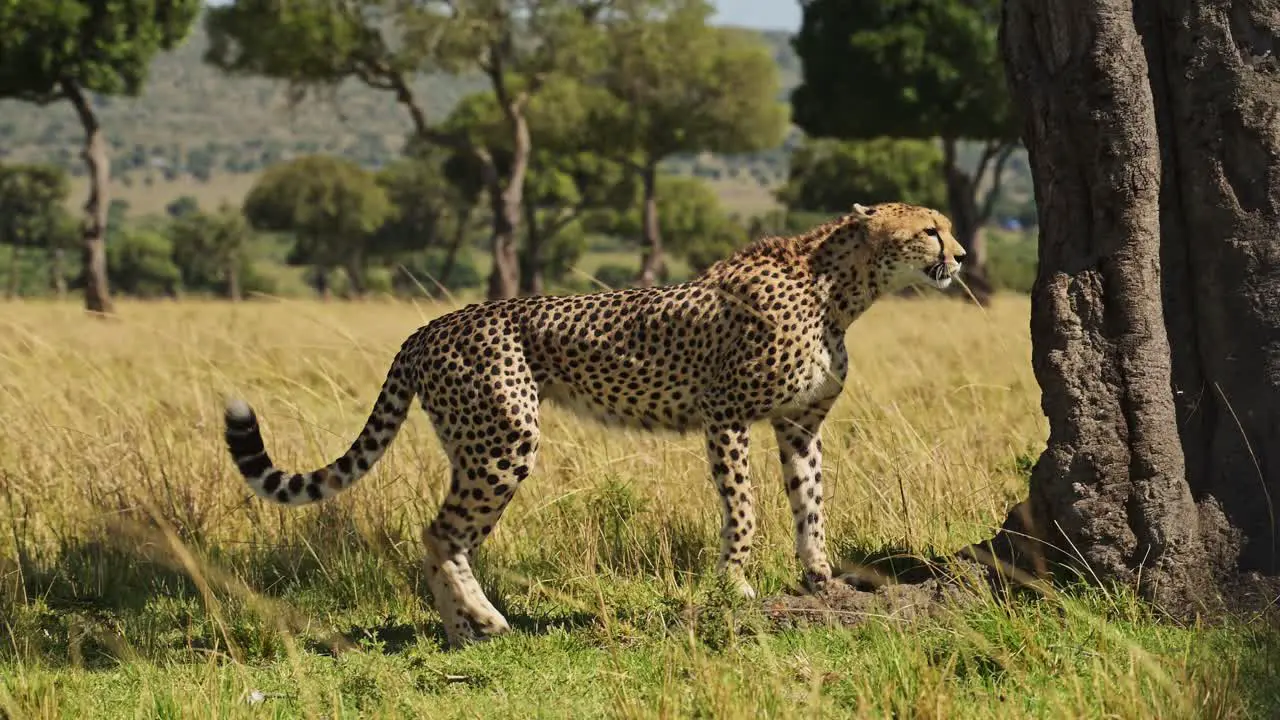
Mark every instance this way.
x=1005 y=149
x=988 y=152
x=565 y=217
x=71 y=90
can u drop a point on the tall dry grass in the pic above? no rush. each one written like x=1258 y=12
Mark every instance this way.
x=138 y=571
x=101 y=418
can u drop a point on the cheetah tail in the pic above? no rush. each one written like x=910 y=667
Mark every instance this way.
x=244 y=440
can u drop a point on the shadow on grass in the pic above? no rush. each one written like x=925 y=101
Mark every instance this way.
x=394 y=636
x=126 y=595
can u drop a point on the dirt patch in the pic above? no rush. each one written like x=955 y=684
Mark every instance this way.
x=840 y=603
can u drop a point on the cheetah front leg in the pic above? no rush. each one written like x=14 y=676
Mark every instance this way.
x=800 y=450
x=727 y=446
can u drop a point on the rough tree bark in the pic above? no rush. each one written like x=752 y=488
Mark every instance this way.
x=508 y=199
x=505 y=204
x=97 y=296
x=652 y=264
x=58 y=278
x=15 y=273
x=233 y=280
x=355 y=269
x=1154 y=139
x=532 y=275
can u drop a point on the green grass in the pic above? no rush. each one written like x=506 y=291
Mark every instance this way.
x=139 y=581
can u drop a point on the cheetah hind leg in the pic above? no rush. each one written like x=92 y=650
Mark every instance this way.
x=484 y=481
x=465 y=611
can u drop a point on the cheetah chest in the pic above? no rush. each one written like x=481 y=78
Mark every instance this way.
x=820 y=377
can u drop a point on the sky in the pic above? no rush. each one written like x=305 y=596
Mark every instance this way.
x=763 y=14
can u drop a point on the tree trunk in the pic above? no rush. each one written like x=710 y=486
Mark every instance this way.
x=97 y=296
x=459 y=237
x=508 y=201
x=322 y=282
x=15 y=277
x=57 y=268
x=504 y=277
x=233 y=280
x=1156 y=332
x=966 y=221
x=355 y=268
x=652 y=264
x=531 y=272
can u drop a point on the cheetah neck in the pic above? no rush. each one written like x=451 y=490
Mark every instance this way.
x=847 y=275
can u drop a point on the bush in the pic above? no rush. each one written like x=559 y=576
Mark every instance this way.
x=140 y=262
x=427 y=264
x=615 y=275
x=831 y=175
x=1012 y=259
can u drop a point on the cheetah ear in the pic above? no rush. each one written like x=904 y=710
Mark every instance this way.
x=863 y=212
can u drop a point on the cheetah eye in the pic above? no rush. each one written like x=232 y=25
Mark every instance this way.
x=933 y=233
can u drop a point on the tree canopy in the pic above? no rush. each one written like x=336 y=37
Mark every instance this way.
x=683 y=85
x=515 y=44
x=902 y=68
x=31 y=204
x=100 y=47
x=693 y=222
x=209 y=248
x=831 y=175
x=332 y=206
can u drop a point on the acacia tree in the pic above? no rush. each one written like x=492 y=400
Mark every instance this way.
x=915 y=69
x=1155 y=153
x=333 y=207
x=569 y=173
x=682 y=86
x=514 y=44
x=54 y=50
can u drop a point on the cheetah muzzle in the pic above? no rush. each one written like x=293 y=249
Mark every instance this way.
x=758 y=337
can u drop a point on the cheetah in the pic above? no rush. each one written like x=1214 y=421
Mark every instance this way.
x=758 y=336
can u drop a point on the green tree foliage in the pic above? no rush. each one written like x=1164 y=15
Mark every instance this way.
x=569 y=176
x=831 y=175
x=141 y=263
x=681 y=85
x=54 y=50
x=182 y=206
x=914 y=69
x=514 y=44
x=421 y=198
x=331 y=205
x=32 y=217
x=693 y=223
x=209 y=249
x=434 y=194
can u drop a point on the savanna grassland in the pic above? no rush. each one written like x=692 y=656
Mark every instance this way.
x=141 y=580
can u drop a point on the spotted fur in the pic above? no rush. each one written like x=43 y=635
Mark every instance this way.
x=758 y=337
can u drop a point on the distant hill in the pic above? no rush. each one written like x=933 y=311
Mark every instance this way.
x=194 y=121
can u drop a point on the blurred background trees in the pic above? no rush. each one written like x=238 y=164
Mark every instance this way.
x=498 y=147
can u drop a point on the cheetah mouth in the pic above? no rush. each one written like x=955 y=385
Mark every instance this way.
x=940 y=275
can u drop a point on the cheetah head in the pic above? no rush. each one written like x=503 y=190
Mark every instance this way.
x=915 y=244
